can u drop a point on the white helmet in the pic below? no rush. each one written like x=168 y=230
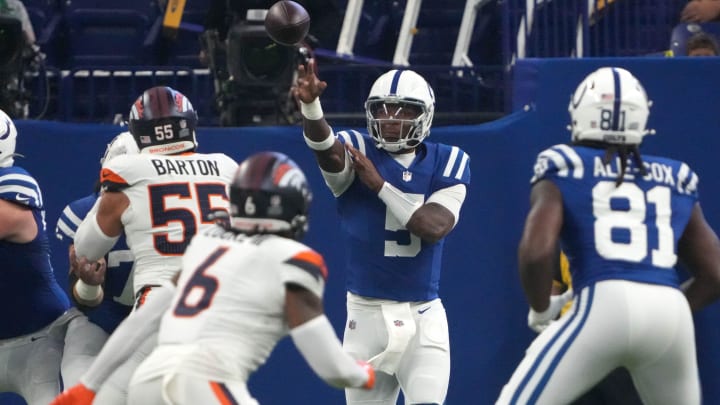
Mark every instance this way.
x=610 y=106
x=409 y=91
x=8 y=137
x=122 y=144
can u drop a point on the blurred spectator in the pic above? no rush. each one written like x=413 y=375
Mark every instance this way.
x=702 y=44
x=700 y=11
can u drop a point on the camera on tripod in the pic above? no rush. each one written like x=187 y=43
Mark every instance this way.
x=252 y=74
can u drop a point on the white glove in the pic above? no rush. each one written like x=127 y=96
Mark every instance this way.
x=538 y=321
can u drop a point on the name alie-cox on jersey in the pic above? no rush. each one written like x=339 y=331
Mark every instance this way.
x=658 y=172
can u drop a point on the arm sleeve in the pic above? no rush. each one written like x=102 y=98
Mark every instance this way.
x=451 y=198
x=318 y=344
x=91 y=241
x=135 y=329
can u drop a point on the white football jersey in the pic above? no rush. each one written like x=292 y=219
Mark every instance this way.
x=228 y=312
x=171 y=198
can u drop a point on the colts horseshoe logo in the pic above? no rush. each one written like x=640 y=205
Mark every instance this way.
x=6 y=134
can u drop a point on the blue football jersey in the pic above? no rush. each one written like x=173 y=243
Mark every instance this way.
x=384 y=259
x=118 y=300
x=628 y=232
x=32 y=298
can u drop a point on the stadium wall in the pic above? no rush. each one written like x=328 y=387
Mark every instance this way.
x=480 y=286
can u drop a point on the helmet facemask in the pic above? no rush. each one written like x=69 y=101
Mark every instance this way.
x=396 y=123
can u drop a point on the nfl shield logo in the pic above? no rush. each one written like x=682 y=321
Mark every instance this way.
x=398 y=323
x=352 y=324
x=407 y=176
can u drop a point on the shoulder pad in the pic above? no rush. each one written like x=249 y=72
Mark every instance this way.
x=687 y=180
x=18 y=186
x=558 y=161
x=300 y=264
x=72 y=216
x=120 y=172
x=355 y=138
x=455 y=163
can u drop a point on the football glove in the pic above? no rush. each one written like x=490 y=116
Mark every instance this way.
x=538 y=321
x=76 y=395
x=371 y=374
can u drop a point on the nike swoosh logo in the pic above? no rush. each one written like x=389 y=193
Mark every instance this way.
x=422 y=311
x=22 y=199
x=32 y=339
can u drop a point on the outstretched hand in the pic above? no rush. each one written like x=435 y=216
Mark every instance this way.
x=308 y=86
x=365 y=169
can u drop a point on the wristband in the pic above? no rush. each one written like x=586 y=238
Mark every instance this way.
x=325 y=144
x=87 y=292
x=312 y=110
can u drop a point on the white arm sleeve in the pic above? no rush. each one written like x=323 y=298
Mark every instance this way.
x=91 y=241
x=136 y=328
x=317 y=342
x=402 y=205
x=451 y=198
x=340 y=181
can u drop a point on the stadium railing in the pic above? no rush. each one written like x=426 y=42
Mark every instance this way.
x=587 y=28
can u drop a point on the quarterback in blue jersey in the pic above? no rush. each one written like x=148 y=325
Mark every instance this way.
x=35 y=308
x=398 y=197
x=623 y=219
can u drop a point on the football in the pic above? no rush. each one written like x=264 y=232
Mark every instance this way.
x=287 y=22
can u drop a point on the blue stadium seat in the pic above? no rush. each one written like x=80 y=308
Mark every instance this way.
x=107 y=37
x=682 y=32
x=99 y=95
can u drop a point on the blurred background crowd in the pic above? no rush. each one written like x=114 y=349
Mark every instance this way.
x=86 y=60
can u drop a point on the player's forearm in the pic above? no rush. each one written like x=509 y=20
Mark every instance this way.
x=320 y=137
x=90 y=241
x=536 y=271
x=317 y=342
x=431 y=222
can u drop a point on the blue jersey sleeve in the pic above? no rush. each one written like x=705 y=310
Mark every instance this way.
x=18 y=186
x=454 y=166
x=559 y=161
x=72 y=216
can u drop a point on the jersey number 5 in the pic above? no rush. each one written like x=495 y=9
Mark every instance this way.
x=633 y=221
x=195 y=211
x=394 y=248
